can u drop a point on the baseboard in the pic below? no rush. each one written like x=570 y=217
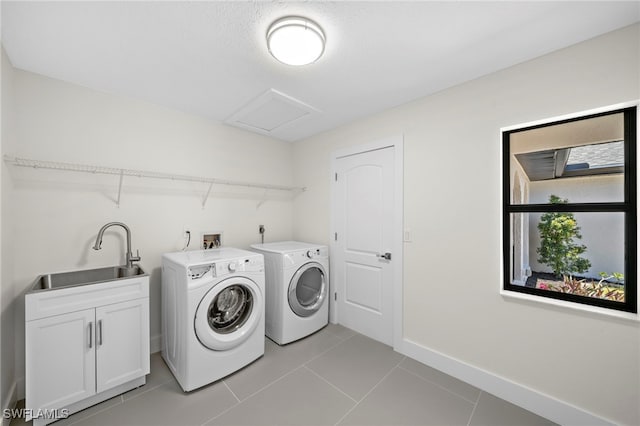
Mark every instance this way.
x=543 y=405
x=9 y=403
x=155 y=345
x=20 y=390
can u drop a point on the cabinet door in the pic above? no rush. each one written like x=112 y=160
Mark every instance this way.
x=122 y=343
x=60 y=360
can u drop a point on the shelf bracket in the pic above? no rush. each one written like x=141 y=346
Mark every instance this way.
x=264 y=199
x=206 y=197
x=120 y=187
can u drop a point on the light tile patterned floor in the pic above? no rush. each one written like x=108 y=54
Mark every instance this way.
x=334 y=377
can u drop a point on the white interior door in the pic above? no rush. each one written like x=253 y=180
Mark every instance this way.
x=363 y=257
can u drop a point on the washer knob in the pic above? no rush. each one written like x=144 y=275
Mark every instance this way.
x=310 y=254
x=232 y=267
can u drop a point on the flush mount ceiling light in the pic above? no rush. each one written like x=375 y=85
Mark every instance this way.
x=294 y=40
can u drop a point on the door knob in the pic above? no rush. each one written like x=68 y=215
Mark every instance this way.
x=386 y=256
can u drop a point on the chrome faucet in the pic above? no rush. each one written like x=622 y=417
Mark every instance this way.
x=130 y=257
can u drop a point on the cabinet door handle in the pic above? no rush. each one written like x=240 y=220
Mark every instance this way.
x=100 y=332
x=90 y=335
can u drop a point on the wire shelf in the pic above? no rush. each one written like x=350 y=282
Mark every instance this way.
x=86 y=168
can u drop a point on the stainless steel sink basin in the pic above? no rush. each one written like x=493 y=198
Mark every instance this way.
x=89 y=276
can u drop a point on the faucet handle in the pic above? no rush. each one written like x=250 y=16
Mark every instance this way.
x=136 y=258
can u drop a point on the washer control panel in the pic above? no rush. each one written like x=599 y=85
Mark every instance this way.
x=195 y=272
x=226 y=267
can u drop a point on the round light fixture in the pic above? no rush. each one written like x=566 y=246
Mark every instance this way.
x=294 y=40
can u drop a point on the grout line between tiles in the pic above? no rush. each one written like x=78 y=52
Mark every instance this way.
x=370 y=390
x=281 y=377
x=437 y=384
x=206 y=422
x=338 y=335
x=144 y=390
x=97 y=412
x=319 y=354
x=251 y=395
x=232 y=392
x=474 y=408
x=275 y=381
x=331 y=384
x=221 y=413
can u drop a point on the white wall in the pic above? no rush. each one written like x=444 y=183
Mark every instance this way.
x=602 y=233
x=59 y=213
x=452 y=268
x=7 y=346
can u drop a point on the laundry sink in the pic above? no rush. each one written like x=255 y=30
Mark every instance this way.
x=89 y=276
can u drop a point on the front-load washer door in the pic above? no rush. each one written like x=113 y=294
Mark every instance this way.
x=308 y=289
x=229 y=313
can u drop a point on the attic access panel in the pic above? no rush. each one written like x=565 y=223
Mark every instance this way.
x=270 y=112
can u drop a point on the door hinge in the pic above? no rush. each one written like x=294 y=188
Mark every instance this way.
x=336 y=177
x=335 y=236
x=335 y=296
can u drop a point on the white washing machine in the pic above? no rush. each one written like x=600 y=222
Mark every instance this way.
x=212 y=313
x=297 y=288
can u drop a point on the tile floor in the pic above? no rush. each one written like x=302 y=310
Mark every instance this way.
x=334 y=377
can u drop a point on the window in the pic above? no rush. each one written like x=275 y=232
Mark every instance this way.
x=569 y=210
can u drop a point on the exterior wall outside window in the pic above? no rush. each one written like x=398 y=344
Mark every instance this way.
x=603 y=251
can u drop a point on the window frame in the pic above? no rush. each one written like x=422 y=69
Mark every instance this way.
x=628 y=207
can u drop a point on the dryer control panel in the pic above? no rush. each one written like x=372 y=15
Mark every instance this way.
x=314 y=252
x=317 y=252
x=299 y=257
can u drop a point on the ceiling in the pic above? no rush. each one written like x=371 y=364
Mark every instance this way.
x=210 y=58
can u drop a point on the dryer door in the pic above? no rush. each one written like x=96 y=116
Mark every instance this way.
x=308 y=289
x=229 y=313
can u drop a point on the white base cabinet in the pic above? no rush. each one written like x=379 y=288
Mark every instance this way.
x=60 y=364
x=84 y=342
x=122 y=343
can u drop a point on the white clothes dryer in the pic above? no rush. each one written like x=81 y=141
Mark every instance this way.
x=212 y=313
x=296 y=287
